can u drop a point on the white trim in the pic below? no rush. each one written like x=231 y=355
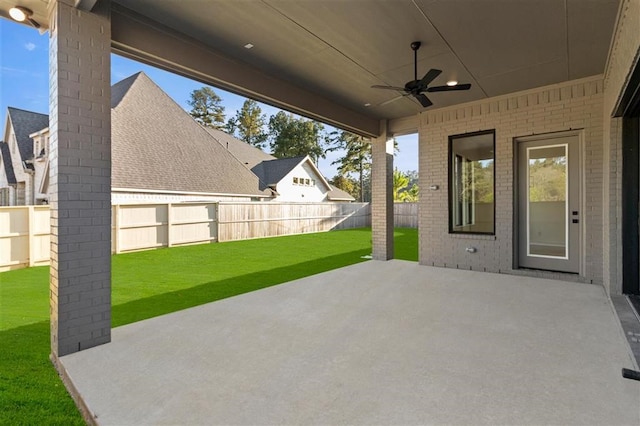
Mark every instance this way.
x=566 y=204
x=214 y=194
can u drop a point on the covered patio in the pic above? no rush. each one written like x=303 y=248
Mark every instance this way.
x=373 y=343
x=488 y=337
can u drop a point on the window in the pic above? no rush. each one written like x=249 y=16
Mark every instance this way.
x=307 y=182
x=295 y=180
x=472 y=183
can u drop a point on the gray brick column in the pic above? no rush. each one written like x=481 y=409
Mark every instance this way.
x=382 y=195
x=80 y=176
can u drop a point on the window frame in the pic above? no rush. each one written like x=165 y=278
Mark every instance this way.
x=456 y=159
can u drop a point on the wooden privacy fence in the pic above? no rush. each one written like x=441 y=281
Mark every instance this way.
x=405 y=215
x=24 y=236
x=241 y=221
x=24 y=231
x=146 y=226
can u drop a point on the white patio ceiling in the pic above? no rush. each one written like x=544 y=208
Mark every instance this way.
x=321 y=57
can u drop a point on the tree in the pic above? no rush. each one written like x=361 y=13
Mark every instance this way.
x=293 y=137
x=249 y=124
x=206 y=108
x=412 y=175
x=356 y=159
x=410 y=195
x=347 y=184
x=400 y=181
x=547 y=179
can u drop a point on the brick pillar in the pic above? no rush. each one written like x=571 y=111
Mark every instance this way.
x=382 y=195
x=80 y=176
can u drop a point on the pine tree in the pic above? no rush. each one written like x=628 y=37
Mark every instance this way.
x=248 y=124
x=206 y=108
x=357 y=157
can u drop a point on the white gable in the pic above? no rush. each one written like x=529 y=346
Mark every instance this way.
x=302 y=184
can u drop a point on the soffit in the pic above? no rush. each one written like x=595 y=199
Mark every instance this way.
x=335 y=50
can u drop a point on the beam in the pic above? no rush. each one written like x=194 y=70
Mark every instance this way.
x=142 y=39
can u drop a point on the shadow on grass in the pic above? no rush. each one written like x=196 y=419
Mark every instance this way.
x=32 y=393
x=165 y=303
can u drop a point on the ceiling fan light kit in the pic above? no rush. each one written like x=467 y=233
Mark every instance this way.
x=417 y=88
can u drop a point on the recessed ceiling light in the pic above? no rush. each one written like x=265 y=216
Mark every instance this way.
x=367 y=104
x=452 y=83
x=19 y=13
x=248 y=46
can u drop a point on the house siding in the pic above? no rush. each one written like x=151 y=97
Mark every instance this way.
x=574 y=105
x=301 y=193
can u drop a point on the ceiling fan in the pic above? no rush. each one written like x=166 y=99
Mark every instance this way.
x=417 y=88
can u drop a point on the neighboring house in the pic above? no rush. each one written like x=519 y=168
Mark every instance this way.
x=159 y=155
x=18 y=170
x=292 y=179
x=7 y=176
x=187 y=166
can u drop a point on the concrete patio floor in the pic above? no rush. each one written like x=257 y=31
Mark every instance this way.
x=373 y=343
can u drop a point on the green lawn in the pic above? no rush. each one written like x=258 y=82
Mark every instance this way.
x=151 y=283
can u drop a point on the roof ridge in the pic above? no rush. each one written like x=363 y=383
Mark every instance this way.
x=26 y=110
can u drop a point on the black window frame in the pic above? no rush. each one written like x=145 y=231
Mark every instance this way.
x=454 y=160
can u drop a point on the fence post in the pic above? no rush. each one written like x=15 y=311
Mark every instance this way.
x=169 y=223
x=218 y=221
x=30 y=213
x=116 y=233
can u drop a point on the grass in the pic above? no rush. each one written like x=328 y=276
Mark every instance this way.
x=151 y=283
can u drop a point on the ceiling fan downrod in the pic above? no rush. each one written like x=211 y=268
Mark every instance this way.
x=415 y=46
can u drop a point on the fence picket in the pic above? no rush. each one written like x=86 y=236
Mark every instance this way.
x=24 y=232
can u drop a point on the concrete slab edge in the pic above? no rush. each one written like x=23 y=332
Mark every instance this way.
x=628 y=325
x=90 y=418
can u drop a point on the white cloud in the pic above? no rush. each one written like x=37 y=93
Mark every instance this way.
x=30 y=46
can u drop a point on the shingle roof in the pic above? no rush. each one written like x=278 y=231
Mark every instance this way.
x=25 y=123
x=271 y=172
x=8 y=165
x=121 y=88
x=337 y=194
x=157 y=145
x=247 y=154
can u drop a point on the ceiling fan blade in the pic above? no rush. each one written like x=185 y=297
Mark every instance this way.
x=393 y=99
x=424 y=101
x=399 y=89
x=429 y=77
x=449 y=88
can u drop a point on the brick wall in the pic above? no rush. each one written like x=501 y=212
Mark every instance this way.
x=568 y=106
x=382 y=196
x=80 y=172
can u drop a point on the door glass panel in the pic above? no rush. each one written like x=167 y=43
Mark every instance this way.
x=547 y=201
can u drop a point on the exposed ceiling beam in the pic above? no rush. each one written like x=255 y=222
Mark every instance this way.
x=142 y=39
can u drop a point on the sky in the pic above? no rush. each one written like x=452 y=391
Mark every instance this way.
x=24 y=84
